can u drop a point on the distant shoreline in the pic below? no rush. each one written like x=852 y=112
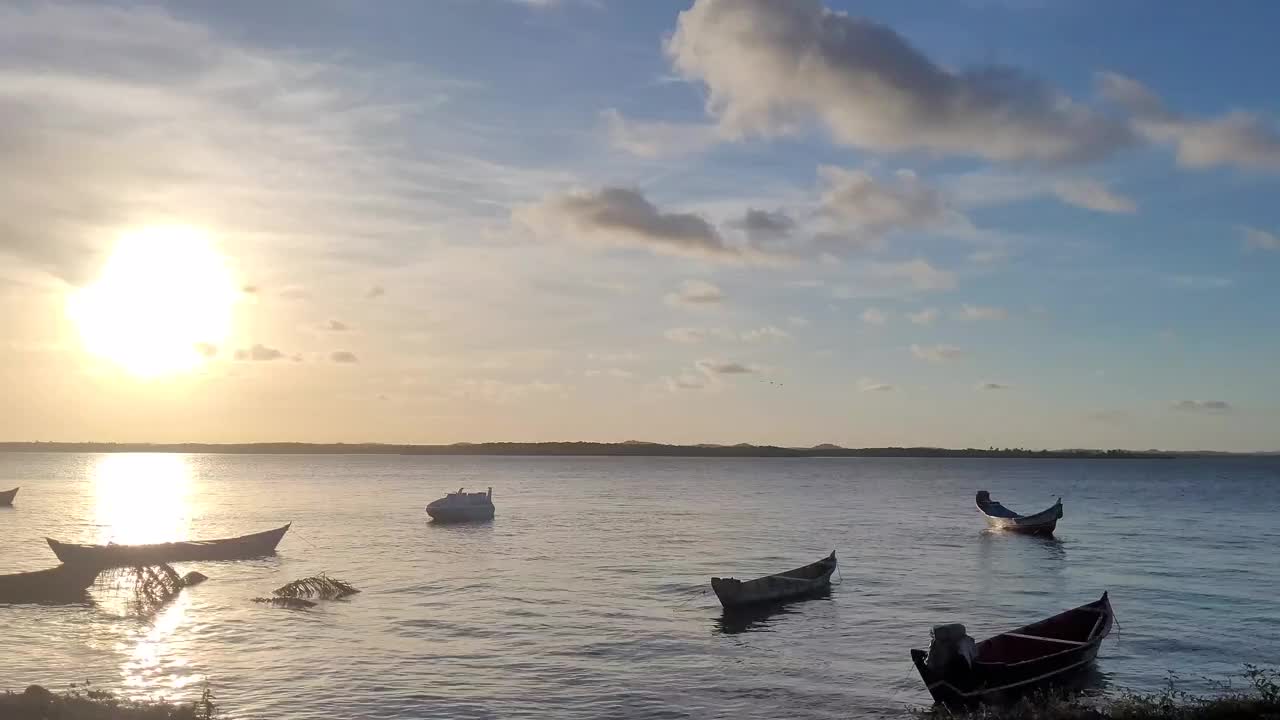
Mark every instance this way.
x=591 y=449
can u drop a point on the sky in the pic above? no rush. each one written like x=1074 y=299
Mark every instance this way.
x=973 y=223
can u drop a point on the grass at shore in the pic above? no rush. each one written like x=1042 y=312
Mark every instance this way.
x=81 y=703
x=1259 y=698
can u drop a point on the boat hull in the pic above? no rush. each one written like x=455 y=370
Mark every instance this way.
x=1041 y=523
x=108 y=556
x=461 y=514
x=807 y=581
x=1003 y=682
x=6 y=497
x=65 y=583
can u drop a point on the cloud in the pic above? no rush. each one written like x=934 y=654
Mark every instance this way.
x=343 y=357
x=926 y=316
x=854 y=201
x=721 y=367
x=685 y=381
x=657 y=139
x=992 y=386
x=936 y=353
x=768 y=332
x=696 y=292
x=918 y=273
x=874 y=316
x=1255 y=239
x=375 y=292
x=798 y=321
x=617 y=373
x=696 y=335
x=259 y=353
x=763 y=227
x=1210 y=407
x=623 y=217
x=1092 y=195
x=1238 y=139
x=869 y=385
x=500 y=392
x=336 y=326
x=982 y=312
x=772 y=67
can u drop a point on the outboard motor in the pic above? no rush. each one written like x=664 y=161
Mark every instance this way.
x=952 y=652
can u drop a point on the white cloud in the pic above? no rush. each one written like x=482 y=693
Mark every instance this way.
x=772 y=67
x=918 y=273
x=690 y=336
x=696 y=292
x=862 y=209
x=982 y=312
x=724 y=367
x=259 y=353
x=1092 y=195
x=869 y=385
x=874 y=316
x=1255 y=239
x=992 y=386
x=936 y=353
x=926 y=316
x=686 y=381
x=1209 y=407
x=798 y=321
x=623 y=217
x=1237 y=138
x=768 y=332
x=657 y=139
x=616 y=373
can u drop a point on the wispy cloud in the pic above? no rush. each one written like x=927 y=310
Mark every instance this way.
x=982 y=312
x=259 y=353
x=724 y=367
x=1210 y=407
x=1238 y=138
x=657 y=139
x=869 y=385
x=768 y=332
x=1093 y=195
x=874 y=316
x=936 y=353
x=926 y=316
x=696 y=292
x=344 y=357
x=1255 y=239
x=336 y=326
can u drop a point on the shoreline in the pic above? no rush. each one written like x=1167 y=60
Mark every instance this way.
x=593 y=449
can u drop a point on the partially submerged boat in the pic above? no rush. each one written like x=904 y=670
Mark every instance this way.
x=65 y=583
x=800 y=582
x=1002 y=518
x=6 y=497
x=462 y=506
x=962 y=673
x=107 y=556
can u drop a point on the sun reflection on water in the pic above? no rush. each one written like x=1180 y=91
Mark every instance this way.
x=153 y=667
x=142 y=498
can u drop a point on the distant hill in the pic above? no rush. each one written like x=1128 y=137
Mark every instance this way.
x=629 y=448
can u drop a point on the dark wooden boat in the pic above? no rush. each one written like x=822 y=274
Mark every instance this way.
x=107 y=556
x=960 y=673
x=6 y=497
x=60 y=584
x=801 y=582
x=1002 y=518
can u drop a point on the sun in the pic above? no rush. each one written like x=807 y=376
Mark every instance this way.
x=162 y=304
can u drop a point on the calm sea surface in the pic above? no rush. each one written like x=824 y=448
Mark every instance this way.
x=588 y=597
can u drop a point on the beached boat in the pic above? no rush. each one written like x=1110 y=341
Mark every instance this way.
x=6 y=497
x=462 y=506
x=62 y=583
x=107 y=556
x=961 y=673
x=1002 y=518
x=808 y=580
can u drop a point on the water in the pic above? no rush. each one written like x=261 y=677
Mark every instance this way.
x=585 y=597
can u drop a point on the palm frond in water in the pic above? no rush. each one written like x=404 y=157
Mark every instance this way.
x=321 y=587
x=286 y=602
x=152 y=586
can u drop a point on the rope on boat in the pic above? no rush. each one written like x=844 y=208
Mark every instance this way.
x=692 y=597
x=295 y=531
x=838 y=575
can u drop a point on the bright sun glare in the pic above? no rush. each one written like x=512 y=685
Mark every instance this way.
x=164 y=296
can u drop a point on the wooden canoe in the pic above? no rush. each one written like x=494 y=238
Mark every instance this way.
x=6 y=497
x=1002 y=518
x=1006 y=666
x=107 y=556
x=60 y=584
x=801 y=582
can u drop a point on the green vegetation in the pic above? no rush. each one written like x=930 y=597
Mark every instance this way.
x=82 y=703
x=1259 y=699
